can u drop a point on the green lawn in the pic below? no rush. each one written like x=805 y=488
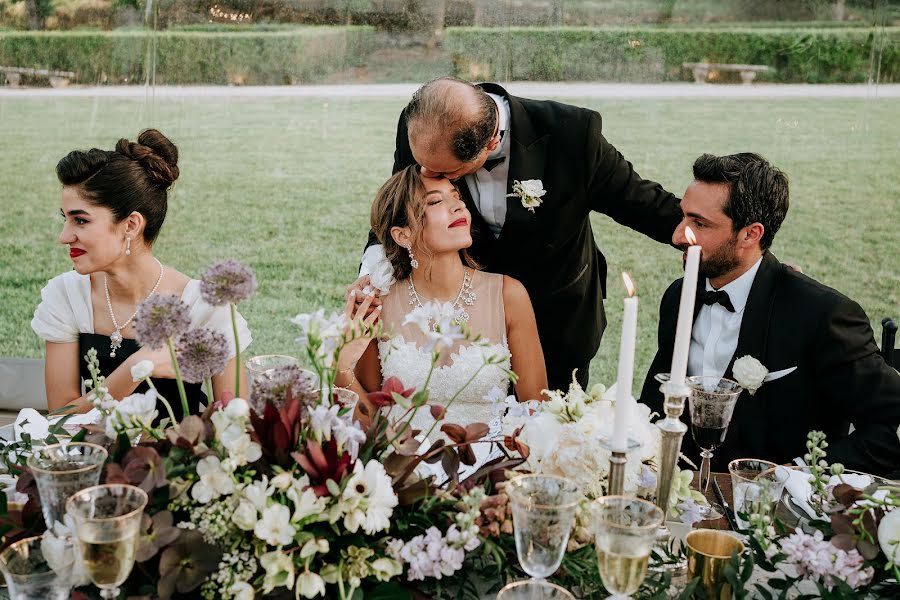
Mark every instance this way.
x=285 y=186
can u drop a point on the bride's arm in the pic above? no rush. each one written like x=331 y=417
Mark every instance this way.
x=524 y=344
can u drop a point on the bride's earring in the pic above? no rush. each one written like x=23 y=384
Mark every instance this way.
x=412 y=261
x=128 y=246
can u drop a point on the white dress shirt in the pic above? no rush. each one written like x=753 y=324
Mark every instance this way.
x=488 y=188
x=714 y=337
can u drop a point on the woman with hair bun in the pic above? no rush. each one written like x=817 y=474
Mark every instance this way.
x=113 y=205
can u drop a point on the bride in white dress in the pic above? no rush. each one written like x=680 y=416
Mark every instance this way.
x=425 y=228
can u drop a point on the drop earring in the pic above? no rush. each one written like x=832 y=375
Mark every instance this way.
x=128 y=246
x=412 y=261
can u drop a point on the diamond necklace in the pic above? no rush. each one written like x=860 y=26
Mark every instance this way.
x=115 y=339
x=465 y=297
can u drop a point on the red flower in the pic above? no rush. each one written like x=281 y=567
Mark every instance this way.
x=385 y=397
x=278 y=429
x=322 y=463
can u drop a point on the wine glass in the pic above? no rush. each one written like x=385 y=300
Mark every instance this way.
x=30 y=575
x=625 y=530
x=711 y=402
x=757 y=486
x=258 y=365
x=60 y=470
x=107 y=525
x=543 y=509
x=533 y=589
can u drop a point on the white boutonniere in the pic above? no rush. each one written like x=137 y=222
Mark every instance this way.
x=529 y=192
x=751 y=374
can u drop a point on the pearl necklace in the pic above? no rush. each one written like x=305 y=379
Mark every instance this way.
x=115 y=339
x=466 y=296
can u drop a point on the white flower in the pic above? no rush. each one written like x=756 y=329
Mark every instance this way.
x=385 y=569
x=310 y=585
x=322 y=419
x=132 y=415
x=749 y=373
x=275 y=526
x=313 y=547
x=142 y=370
x=242 y=450
x=282 y=481
x=529 y=192
x=242 y=590
x=889 y=536
x=237 y=409
x=214 y=481
x=279 y=570
x=380 y=269
x=257 y=493
x=245 y=516
x=369 y=499
x=324 y=334
x=62 y=554
x=306 y=503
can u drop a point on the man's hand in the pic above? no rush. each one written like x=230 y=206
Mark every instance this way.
x=359 y=291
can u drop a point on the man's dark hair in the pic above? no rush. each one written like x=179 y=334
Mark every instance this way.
x=432 y=109
x=758 y=191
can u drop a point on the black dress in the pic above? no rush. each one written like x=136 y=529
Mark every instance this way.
x=168 y=388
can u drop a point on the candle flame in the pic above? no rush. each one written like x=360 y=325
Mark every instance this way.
x=629 y=284
x=689 y=234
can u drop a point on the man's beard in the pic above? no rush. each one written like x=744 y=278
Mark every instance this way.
x=720 y=262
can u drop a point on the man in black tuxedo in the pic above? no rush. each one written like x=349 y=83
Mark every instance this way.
x=484 y=139
x=750 y=304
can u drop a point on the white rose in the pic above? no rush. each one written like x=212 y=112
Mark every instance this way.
x=142 y=370
x=749 y=373
x=533 y=187
x=889 y=536
x=237 y=408
x=381 y=271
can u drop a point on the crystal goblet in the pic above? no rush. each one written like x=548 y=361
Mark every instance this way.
x=543 y=509
x=107 y=525
x=258 y=365
x=30 y=575
x=711 y=402
x=60 y=470
x=533 y=589
x=625 y=530
x=757 y=486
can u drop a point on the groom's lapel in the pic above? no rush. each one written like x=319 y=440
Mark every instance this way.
x=527 y=156
x=750 y=412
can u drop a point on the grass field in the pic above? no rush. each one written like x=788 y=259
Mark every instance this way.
x=285 y=186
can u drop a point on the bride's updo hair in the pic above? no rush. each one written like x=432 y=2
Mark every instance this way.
x=400 y=202
x=136 y=176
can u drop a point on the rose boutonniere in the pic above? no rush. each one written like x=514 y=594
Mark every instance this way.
x=749 y=373
x=529 y=192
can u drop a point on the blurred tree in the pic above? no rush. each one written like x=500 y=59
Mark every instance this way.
x=37 y=10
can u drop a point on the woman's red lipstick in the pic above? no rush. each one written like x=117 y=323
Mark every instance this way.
x=459 y=223
x=76 y=252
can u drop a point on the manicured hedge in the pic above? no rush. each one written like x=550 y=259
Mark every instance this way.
x=656 y=54
x=301 y=55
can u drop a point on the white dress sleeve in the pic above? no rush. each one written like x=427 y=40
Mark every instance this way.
x=65 y=309
x=217 y=318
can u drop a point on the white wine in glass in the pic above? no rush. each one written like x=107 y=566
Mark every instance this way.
x=625 y=534
x=108 y=562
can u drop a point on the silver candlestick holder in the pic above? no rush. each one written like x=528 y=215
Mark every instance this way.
x=671 y=431
x=618 y=458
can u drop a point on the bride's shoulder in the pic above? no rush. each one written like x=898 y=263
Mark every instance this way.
x=515 y=296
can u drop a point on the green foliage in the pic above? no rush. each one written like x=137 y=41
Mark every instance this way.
x=828 y=55
x=192 y=57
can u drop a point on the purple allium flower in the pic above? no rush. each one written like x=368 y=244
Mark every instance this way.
x=227 y=282
x=273 y=385
x=201 y=354
x=159 y=318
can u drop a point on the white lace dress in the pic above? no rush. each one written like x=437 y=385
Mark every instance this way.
x=402 y=355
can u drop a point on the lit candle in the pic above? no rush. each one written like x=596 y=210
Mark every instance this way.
x=685 y=311
x=625 y=377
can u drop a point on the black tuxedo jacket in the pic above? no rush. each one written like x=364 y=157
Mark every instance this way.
x=552 y=250
x=791 y=320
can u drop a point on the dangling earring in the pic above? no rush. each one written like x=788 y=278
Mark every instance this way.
x=412 y=261
x=128 y=246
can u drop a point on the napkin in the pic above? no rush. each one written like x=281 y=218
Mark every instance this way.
x=37 y=426
x=799 y=487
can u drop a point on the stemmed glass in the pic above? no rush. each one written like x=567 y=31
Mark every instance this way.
x=30 y=575
x=60 y=470
x=107 y=525
x=625 y=531
x=543 y=509
x=711 y=401
x=533 y=589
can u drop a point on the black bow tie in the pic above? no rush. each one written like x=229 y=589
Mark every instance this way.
x=710 y=297
x=490 y=163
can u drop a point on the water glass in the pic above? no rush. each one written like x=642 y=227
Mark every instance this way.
x=107 y=525
x=258 y=365
x=29 y=575
x=543 y=509
x=625 y=530
x=757 y=486
x=533 y=589
x=342 y=396
x=60 y=470
x=711 y=401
